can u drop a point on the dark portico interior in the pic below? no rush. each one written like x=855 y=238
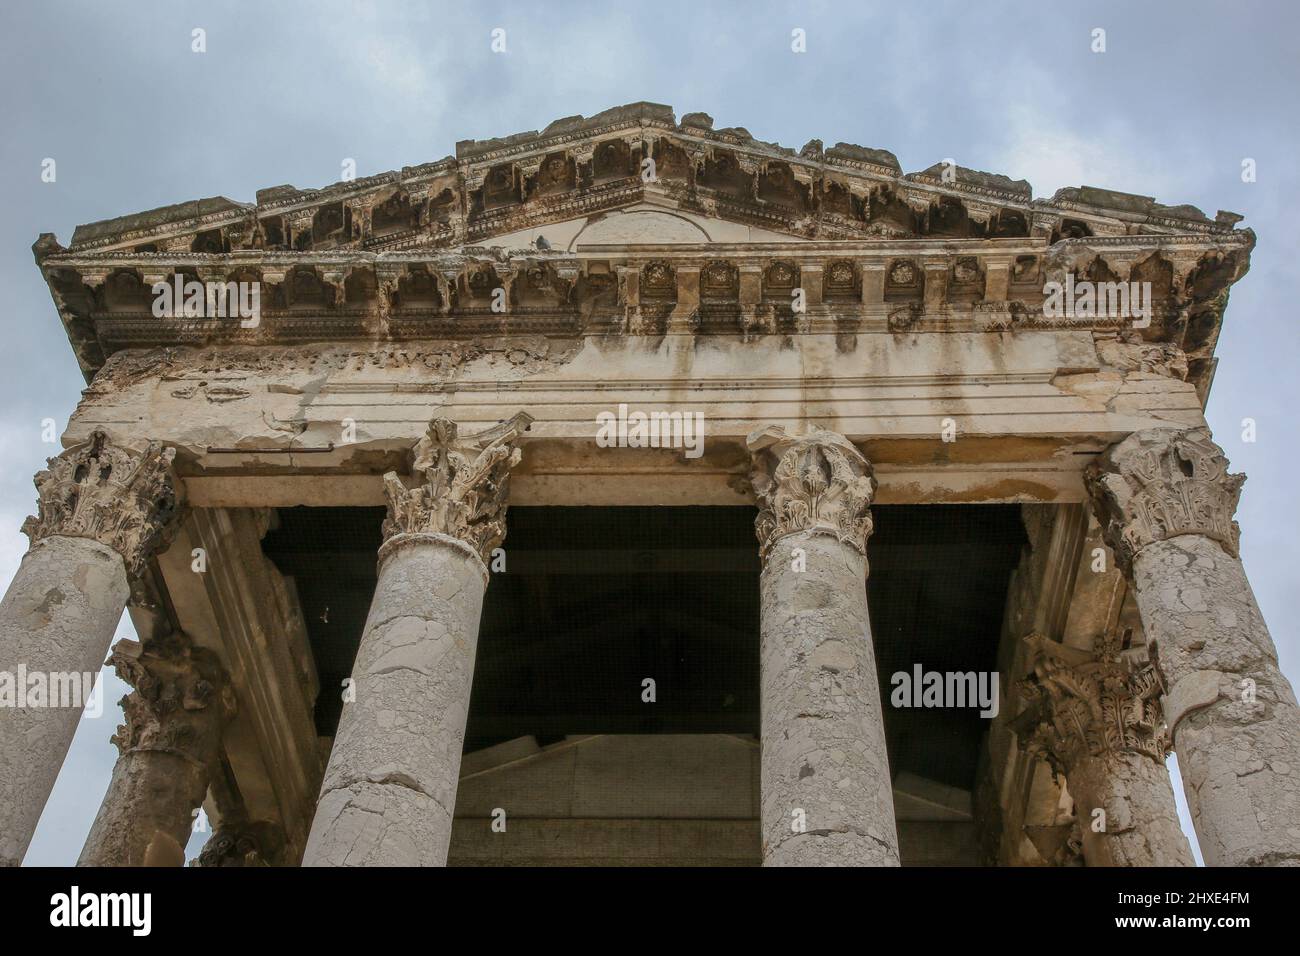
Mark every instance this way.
x=592 y=601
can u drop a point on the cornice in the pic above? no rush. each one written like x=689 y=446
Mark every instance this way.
x=643 y=124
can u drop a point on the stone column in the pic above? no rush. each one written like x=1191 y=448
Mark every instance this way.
x=169 y=748
x=1095 y=717
x=826 y=793
x=390 y=786
x=1166 y=501
x=102 y=511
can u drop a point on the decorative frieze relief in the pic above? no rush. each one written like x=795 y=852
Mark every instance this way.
x=194 y=371
x=1080 y=704
x=815 y=482
x=1128 y=352
x=121 y=498
x=1160 y=483
x=463 y=488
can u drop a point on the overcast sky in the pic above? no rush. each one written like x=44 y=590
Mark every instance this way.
x=287 y=91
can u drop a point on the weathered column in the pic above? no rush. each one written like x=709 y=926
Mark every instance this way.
x=390 y=786
x=826 y=793
x=1095 y=717
x=1166 y=501
x=102 y=511
x=169 y=748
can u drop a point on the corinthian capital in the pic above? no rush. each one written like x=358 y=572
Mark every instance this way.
x=1161 y=483
x=181 y=698
x=1082 y=703
x=121 y=498
x=464 y=485
x=812 y=482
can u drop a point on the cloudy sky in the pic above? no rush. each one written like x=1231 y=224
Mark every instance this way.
x=286 y=91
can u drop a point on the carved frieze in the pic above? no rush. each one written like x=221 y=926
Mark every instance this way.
x=122 y=498
x=1158 y=484
x=1128 y=352
x=815 y=482
x=463 y=488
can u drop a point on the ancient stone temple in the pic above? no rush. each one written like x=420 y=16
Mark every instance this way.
x=638 y=492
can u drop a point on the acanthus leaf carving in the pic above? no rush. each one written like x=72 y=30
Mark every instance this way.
x=463 y=490
x=1161 y=483
x=124 y=499
x=181 y=698
x=816 y=482
x=1091 y=703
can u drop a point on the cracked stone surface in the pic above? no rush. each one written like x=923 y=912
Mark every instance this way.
x=1239 y=758
x=170 y=747
x=823 y=744
x=1141 y=820
x=390 y=787
x=58 y=616
x=146 y=815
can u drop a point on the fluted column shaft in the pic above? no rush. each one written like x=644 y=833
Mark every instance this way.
x=826 y=792
x=389 y=792
x=1168 y=503
x=169 y=748
x=102 y=511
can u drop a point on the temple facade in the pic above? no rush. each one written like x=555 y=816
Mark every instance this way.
x=638 y=492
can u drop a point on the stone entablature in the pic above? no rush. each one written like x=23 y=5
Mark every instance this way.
x=747 y=289
x=404 y=255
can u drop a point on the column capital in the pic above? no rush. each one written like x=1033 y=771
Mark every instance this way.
x=1160 y=483
x=815 y=482
x=127 y=500
x=463 y=488
x=240 y=842
x=1090 y=704
x=181 y=698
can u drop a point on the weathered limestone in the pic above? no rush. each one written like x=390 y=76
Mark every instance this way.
x=1166 y=503
x=170 y=746
x=102 y=511
x=825 y=783
x=922 y=297
x=1096 y=718
x=390 y=785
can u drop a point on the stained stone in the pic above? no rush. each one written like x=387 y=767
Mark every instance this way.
x=826 y=792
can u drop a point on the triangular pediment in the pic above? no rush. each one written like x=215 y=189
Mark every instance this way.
x=639 y=223
x=579 y=172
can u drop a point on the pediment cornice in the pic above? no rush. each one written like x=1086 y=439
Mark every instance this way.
x=578 y=166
